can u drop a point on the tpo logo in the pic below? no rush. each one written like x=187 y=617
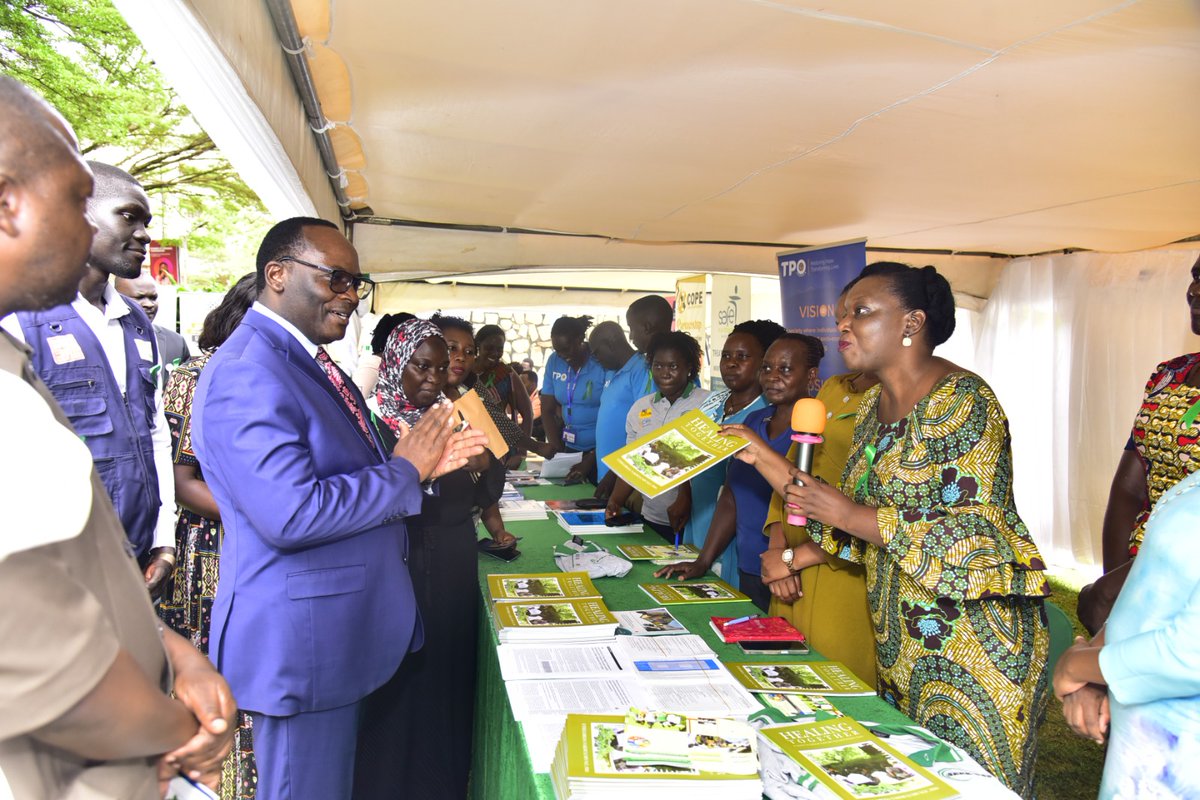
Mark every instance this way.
x=792 y=266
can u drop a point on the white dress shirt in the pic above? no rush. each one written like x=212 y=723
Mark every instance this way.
x=106 y=325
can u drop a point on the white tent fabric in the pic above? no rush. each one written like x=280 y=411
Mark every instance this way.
x=1068 y=342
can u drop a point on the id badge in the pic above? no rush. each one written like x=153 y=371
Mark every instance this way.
x=145 y=349
x=64 y=349
x=568 y=436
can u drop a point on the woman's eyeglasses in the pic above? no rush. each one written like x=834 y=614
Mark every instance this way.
x=340 y=281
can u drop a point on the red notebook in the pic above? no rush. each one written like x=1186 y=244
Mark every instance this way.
x=773 y=629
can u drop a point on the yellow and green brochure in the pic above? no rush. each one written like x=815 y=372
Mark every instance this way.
x=805 y=677
x=673 y=454
x=714 y=591
x=534 y=586
x=561 y=614
x=847 y=759
x=602 y=749
x=649 y=552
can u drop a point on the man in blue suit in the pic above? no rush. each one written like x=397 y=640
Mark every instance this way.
x=314 y=608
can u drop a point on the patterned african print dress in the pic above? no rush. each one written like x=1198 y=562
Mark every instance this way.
x=1166 y=434
x=187 y=604
x=956 y=590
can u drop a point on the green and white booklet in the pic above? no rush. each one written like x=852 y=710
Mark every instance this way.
x=565 y=621
x=622 y=756
x=804 y=677
x=550 y=586
x=673 y=454
x=847 y=761
x=672 y=593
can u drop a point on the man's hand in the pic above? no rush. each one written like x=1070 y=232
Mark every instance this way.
x=160 y=567
x=205 y=693
x=504 y=538
x=787 y=589
x=605 y=487
x=433 y=447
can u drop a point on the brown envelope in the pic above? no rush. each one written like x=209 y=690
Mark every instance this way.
x=470 y=407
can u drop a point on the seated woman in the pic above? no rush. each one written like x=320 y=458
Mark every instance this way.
x=741 y=359
x=1145 y=663
x=788 y=369
x=954 y=580
x=674 y=364
x=414 y=733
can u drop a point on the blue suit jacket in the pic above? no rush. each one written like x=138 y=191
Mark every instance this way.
x=315 y=607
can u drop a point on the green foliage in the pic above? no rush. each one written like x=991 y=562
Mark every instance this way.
x=82 y=57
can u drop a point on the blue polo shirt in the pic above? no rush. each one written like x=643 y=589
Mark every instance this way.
x=752 y=493
x=621 y=391
x=578 y=394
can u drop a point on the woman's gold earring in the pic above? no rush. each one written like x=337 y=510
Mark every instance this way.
x=906 y=341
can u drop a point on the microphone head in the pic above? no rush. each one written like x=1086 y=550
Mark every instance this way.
x=808 y=416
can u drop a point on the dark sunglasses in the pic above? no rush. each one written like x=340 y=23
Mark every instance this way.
x=339 y=280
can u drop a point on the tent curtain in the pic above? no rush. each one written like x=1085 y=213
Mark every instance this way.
x=1067 y=343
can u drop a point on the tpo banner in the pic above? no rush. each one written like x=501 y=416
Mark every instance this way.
x=809 y=282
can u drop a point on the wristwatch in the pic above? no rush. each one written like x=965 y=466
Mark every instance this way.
x=788 y=556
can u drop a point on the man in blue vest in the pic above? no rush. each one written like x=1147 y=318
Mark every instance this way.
x=97 y=354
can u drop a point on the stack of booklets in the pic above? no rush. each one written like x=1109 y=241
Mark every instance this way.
x=804 y=677
x=549 y=607
x=714 y=591
x=844 y=760
x=591 y=523
x=517 y=510
x=655 y=754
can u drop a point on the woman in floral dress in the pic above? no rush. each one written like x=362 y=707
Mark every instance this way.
x=954 y=581
x=187 y=604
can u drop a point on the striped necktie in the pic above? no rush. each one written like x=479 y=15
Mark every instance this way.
x=338 y=379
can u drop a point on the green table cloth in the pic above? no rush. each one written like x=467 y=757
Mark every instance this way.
x=500 y=767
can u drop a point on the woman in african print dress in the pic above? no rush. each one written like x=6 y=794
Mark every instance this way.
x=187 y=602
x=954 y=581
x=1163 y=448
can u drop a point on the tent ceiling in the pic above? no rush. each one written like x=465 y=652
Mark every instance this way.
x=995 y=126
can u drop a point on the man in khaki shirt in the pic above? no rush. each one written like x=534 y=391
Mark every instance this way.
x=85 y=667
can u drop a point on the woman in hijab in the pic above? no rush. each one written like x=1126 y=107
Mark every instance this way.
x=415 y=734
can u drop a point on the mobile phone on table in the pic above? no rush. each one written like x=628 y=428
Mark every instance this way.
x=504 y=553
x=590 y=503
x=794 y=647
x=628 y=518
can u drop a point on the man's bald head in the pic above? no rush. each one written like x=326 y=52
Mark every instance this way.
x=33 y=136
x=609 y=345
x=45 y=234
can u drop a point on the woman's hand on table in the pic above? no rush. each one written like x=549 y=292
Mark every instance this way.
x=685 y=571
x=1087 y=712
x=503 y=538
x=786 y=589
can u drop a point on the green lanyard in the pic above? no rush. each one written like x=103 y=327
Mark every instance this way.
x=1189 y=417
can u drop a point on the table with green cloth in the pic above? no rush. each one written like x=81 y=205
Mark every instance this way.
x=500 y=766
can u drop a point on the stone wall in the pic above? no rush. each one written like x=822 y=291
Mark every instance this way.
x=527 y=333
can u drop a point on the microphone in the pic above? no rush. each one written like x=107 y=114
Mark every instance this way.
x=808 y=422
